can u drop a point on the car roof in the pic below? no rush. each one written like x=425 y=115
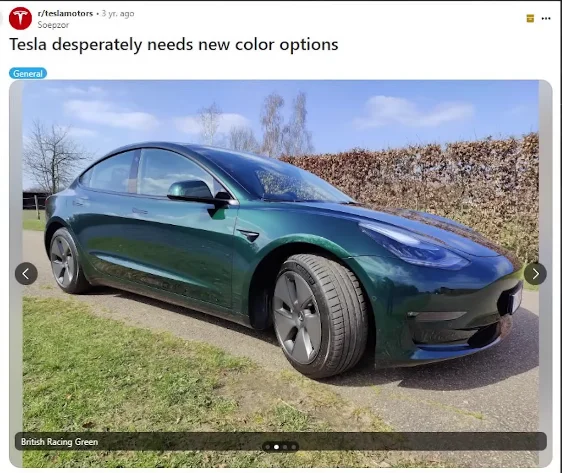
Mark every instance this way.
x=149 y=144
x=213 y=155
x=221 y=154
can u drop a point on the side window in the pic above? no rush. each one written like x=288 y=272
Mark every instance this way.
x=85 y=178
x=159 y=169
x=112 y=174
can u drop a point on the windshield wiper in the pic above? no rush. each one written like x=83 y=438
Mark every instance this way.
x=290 y=200
x=277 y=200
x=352 y=203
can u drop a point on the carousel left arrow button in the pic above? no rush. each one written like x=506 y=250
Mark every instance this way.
x=26 y=273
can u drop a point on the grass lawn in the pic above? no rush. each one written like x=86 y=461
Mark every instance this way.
x=31 y=222
x=82 y=372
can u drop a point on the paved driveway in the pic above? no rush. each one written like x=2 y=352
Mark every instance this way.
x=496 y=390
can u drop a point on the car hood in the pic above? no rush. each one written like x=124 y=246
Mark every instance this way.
x=447 y=232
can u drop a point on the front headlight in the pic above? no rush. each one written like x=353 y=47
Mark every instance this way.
x=412 y=248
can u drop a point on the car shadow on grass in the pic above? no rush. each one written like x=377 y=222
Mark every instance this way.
x=517 y=354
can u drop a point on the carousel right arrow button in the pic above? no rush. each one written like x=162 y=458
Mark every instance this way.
x=535 y=274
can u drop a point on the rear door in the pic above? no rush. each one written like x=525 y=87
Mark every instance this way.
x=102 y=213
x=177 y=246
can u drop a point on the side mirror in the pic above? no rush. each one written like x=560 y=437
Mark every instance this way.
x=191 y=189
x=197 y=191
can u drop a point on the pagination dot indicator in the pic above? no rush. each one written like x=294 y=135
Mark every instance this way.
x=279 y=447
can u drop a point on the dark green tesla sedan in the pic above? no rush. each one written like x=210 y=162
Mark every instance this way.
x=261 y=242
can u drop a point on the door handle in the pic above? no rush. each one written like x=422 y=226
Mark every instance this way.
x=78 y=203
x=139 y=211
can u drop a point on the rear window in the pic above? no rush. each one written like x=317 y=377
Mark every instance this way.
x=112 y=174
x=85 y=178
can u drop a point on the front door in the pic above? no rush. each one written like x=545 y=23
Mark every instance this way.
x=178 y=246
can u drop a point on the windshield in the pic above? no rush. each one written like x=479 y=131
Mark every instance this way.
x=271 y=179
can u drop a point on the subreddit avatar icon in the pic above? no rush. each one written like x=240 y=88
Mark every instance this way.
x=20 y=18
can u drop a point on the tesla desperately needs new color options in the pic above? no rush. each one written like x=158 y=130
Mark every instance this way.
x=263 y=243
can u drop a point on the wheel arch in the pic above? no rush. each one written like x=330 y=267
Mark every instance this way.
x=52 y=226
x=263 y=277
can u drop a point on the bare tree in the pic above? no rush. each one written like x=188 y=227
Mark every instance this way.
x=241 y=138
x=209 y=120
x=272 y=125
x=297 y=139
x=36 y=189
x=51 y=156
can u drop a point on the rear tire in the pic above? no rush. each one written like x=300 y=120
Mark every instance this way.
x=65 y=263
x=322 y=330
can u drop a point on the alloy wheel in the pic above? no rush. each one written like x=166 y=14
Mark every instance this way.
x=62 y=261
x=296 y=317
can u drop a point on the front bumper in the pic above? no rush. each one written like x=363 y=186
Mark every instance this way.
x=476 y=297
x=422 y=354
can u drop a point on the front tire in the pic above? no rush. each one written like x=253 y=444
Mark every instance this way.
x=65 y=263
x=320 y=315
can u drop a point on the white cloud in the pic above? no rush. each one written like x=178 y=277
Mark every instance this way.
x=518 y=110
x=75 y=132
x=383 y=110
x=81 y=91
x=109 y=114
x=191 y=126
x=81 y=132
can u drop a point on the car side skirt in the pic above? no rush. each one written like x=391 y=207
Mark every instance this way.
x=171 y=298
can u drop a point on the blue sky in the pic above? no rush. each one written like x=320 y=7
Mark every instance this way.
x=341 y=114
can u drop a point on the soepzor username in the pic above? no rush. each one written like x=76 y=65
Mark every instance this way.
x=52 y=442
